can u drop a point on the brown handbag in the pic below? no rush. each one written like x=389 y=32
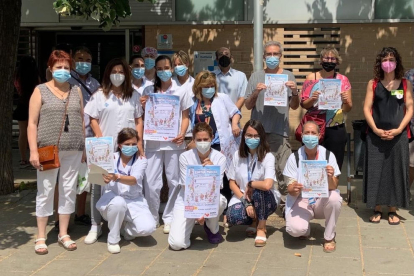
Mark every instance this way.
x=49 y=155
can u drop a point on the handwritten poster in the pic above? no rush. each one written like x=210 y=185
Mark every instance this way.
x=330 y=97
x=228 y=147
x=202 y=192
x=314 y=178
x=276 y=93
x=100 y=158
x=162 y=117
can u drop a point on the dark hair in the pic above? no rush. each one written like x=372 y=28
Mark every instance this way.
x=399 y=70
x=203 y=126
x=27 y=77
x=263 y=147
x=132 y=58
x=157 y=83
x=81 y=49
x=127 y=89
x=59 y=56
x=63 y=47
x=126 y=134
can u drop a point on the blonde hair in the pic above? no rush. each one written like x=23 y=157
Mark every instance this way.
x=182 y=56
x=333 y=51
x=203 y=78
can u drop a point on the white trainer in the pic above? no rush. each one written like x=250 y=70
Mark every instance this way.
x=167 y=228
x=114 y=248
x=93 y=236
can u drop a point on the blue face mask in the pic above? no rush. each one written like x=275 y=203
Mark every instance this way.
x=149 y=63
x=164 y=75
x=83 y=68
x=208 y=92
x=129 y=150
x=138 y=73
x=252 y=143
x=272 y=62
x=180 y=70
x=61 y=75
x=310 y=141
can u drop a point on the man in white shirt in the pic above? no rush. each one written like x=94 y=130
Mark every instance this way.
x=299 y=211
x=230 y=81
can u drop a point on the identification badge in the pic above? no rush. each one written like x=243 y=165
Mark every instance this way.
x=398 y=93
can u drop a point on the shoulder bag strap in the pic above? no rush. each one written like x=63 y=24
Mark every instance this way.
x=64 y=116
x=82 y=84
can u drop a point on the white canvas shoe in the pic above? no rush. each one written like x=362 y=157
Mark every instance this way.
x=167 y=228
x=93 y=236
x=114 y=248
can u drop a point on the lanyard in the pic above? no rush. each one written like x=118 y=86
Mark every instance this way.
x=119 y=160
x=250 y=172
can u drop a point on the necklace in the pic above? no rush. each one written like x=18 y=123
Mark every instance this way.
x=61 y=94
x=206 y=111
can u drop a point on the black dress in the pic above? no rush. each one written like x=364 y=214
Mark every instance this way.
x=386 y=162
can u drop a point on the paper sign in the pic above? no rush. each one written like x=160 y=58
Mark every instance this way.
x=314 y=178
x=330 y=97
x=276 y=93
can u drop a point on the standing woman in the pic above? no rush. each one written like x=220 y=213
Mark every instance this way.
x=388 y=109
x=251 y=174
x=217 y=110
x=165 y=153
x=122 y=203
x=50 y=125
x=112 y=108
x=203 y=154
x=137 y=70
x=335 y=131
x=25 y=81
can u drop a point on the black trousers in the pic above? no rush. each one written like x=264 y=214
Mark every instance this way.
x=226 y=191
x=335 y=141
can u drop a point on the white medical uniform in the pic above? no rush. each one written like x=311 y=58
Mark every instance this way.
x=181 y=227
x=188 y=87
x=126 y=203
x=145 y=82
x=161 y=153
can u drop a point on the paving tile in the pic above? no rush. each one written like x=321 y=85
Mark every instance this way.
x=169 y=268
x=391 y=261
x=194 y=254
x=389 y=237
x=265 y=270
x=67 y=268
x=281 y=255
x=335 y=266
x=346 y=247
x=229 y=263
x=409 y=228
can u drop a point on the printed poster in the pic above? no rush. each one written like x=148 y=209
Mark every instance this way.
x=100 y=158
x=202 y=192
x=276 y=93
x=162 y=117
x=330 y=97
x=314 y=178
x=228 y=147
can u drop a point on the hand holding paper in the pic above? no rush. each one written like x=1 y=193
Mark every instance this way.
x=96 y=173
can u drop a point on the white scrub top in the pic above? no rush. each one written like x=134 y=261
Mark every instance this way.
x=186 y=101
x=238 y=172
x=114 y=113
x=145 y=82
x=188 y=87
x=132 y=194
x=190 y=157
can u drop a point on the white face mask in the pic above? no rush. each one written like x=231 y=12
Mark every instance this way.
x=117 y=79
x=203 y=147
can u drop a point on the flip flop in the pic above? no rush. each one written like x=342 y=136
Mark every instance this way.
x=376 y=213
x=391 y=215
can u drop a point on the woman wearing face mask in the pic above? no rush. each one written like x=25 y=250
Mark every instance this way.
x=203 y=154
x=56 y=118
x=112 y=108
x=165 y=154
x=217 y=110
x=388 y=109
x=335 y=132
x=149 y=54
x=122 y=203
x=299 y=211
x=139 y=82
x=251 y=174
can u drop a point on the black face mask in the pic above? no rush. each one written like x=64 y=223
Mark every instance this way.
x=224 y=61
x=328 y=66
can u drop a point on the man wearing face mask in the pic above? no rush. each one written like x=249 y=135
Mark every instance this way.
x=299 y=211
x=230 y=81
x=81 y=76
x=149 y=54
x=275 y=119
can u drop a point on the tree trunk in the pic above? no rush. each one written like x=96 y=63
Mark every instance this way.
x=10 y=13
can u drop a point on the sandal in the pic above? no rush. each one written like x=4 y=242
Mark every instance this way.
x=41 y=246
x=332 y=243
x=66 y=244
x=261 y=243
x=391 y=216
x=376 y=214
x=251 y=232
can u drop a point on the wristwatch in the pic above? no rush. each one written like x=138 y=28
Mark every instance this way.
x=249 y=184
x=118 y=177
x=297 y=93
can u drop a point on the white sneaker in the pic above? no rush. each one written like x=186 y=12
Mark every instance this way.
x=167 y=228
x=93 y=236
x=114 y=248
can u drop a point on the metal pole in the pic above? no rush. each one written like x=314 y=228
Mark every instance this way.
x=127 y=46
x=258 y=35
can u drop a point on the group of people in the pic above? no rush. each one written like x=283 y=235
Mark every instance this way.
x=257 y=178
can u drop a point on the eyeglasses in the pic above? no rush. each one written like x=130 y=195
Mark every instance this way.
x=251 y=136
x=273 y=54
x=333 y=59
